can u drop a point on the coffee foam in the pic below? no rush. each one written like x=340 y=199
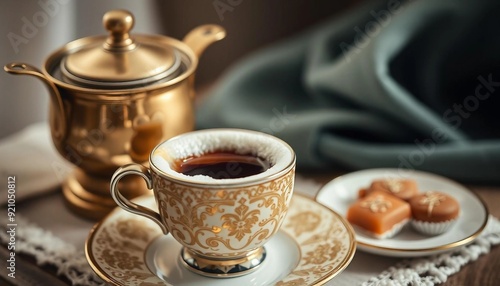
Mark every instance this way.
x=197 y=143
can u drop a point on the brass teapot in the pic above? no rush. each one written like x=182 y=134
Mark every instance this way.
x=113 y=98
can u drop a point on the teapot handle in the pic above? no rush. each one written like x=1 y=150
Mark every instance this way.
x=201 y=37
x=59 y=131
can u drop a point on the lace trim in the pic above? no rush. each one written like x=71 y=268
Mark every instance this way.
x=436 y=269
x=48 y=249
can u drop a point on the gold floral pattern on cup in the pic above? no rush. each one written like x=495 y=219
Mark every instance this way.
x=223 y=222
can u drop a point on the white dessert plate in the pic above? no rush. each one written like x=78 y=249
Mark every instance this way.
x=342 y=191
x=313 y=245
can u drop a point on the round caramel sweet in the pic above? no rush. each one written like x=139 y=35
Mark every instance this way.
x=434 y=207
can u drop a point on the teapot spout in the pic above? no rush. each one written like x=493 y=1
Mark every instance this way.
x=59 y=128
x=201 y=37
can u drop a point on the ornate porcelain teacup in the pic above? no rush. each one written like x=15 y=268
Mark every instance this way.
x=221 y=193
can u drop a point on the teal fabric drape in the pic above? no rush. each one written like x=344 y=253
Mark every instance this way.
x=391 y=84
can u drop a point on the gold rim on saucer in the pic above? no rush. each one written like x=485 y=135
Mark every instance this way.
x=117 y=246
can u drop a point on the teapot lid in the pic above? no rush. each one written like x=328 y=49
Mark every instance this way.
x=120 y=61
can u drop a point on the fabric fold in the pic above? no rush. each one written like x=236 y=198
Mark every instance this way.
x=368 y=89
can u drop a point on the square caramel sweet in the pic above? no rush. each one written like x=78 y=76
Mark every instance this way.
x=379 y=214
x=404 y=189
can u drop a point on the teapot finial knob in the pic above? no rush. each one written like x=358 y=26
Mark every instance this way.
x=118 y=23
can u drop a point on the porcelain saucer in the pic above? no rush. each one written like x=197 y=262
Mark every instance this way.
x=342 y=191
x=313 y=245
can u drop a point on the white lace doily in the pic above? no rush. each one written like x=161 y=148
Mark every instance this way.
x=49 y=250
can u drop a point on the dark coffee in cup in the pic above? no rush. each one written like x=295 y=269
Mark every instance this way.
x=221 y=156
x=222 y=165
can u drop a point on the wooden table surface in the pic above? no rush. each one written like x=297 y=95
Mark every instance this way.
x=486 y=270
x=482 y=272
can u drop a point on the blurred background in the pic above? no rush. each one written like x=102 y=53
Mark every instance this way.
x=250 y=25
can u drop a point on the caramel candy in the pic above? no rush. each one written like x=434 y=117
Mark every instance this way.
x=401 y=188
x=380 y=214
x=434 y=207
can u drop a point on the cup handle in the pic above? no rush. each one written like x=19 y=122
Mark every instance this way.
x=124 y=203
